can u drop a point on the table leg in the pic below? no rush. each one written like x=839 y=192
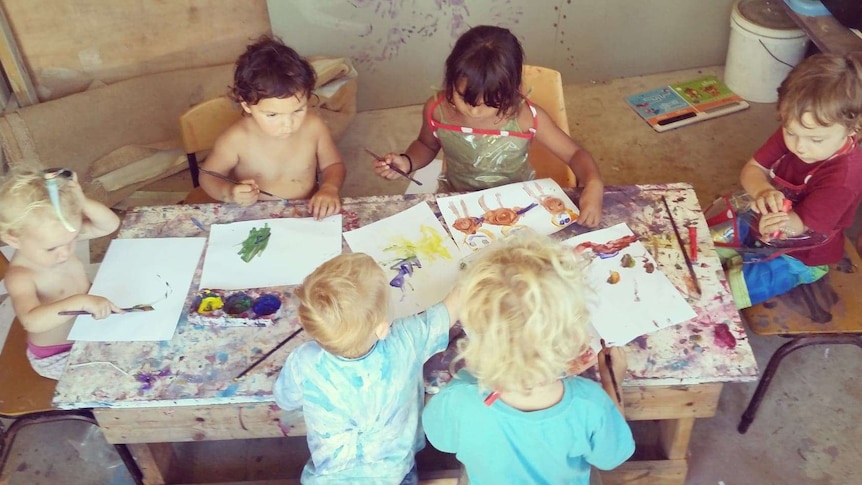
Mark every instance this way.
x=674 y=435
x=154 y=460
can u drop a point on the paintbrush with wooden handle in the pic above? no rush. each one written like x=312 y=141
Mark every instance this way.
x=393 y=167
x=136 y=308
x=235 y=182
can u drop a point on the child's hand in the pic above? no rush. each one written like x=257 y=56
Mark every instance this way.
x=618 y=361
x=591 y=205
x=245 y=193
x=76 y=188
x=325 y=202
x=770 y=200
x=98 y=306
x=771 y=223
x=381 y=167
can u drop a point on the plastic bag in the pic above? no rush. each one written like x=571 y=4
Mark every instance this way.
x=734 y=224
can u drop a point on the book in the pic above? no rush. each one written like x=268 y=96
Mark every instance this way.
x=684 y=103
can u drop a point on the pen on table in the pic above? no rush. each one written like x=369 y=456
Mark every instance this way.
x=228 y=179
x=264 y=356
x=610 y=367
x=394 y=168
x=692 y=241
x=681 y=245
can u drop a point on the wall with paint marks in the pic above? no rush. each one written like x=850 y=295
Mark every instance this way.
x=399 y=46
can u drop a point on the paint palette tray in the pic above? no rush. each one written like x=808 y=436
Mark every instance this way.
x=236 y=308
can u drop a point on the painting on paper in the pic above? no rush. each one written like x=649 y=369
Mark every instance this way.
x=633 y=297
x=142 y=272
x=479 y=218
x=270 y=252
x=415 y=252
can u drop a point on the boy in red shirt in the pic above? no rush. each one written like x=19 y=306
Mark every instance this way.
x=814 y=161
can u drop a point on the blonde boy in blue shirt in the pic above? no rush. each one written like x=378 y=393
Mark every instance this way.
x=359 y=382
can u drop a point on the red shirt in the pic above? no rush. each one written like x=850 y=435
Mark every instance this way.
x=830 y=198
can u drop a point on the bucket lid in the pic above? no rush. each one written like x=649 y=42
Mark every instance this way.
x=766 y=17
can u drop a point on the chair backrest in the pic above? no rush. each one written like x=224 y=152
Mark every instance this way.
x=202 y=124
x=544 y=87
x=22 y=390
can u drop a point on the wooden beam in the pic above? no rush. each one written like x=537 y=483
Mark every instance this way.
x=13 y=65
x=653 y=472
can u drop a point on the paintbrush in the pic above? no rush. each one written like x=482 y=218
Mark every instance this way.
x=264 y=356
x=681 y=245
x=610 y=367
x=228 y=179
x=394 y=168
x=136 y=308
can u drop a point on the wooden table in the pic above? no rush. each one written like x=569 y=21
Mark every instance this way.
x=146 y=394
x=827 y=33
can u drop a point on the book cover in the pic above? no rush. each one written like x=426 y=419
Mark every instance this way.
x=684 y=103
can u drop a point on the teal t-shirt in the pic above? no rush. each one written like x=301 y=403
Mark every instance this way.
x=501 y=444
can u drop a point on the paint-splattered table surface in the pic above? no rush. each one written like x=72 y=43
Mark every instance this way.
x=198 y=366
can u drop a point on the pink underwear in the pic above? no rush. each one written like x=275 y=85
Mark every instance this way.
x=40 y=352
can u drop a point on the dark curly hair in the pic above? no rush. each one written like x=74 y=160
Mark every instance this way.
x=270 y=69
x=490 y=60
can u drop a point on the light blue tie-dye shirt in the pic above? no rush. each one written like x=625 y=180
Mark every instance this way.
x=362 y=415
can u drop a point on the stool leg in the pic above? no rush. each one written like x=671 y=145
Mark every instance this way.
x=772 y=367
x=751 y=410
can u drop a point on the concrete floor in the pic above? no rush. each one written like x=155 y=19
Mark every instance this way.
x=806 y=430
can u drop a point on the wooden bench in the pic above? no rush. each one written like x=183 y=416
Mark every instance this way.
x=826 y=312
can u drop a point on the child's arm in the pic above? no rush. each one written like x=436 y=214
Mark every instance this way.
x=620 y=364
x=222 y=160
x=581 y=163
x=421 y=151
x=36 y=317
x=98 y=219
x=755 y=181
x=327 y=201
x=452 y=302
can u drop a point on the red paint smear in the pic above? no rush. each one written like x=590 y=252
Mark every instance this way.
x=723 y=337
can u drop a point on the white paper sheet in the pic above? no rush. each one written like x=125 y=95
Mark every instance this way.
x=478 y=218
x=295 y=248
x=640 y=302
x=413 y=233
x=156 y=272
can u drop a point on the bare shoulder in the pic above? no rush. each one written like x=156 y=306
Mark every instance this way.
x=19 y=278
x=315 y=125
x=236 y=134
x=428 y=107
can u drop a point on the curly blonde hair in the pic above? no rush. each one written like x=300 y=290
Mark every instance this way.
x=342 y=301
x=24 y=199
x=826 y=85
x=524 y=312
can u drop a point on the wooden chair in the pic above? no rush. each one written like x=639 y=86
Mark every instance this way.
x=544 y=87
x=25 y=396
x=826 y=312
x=200 y=126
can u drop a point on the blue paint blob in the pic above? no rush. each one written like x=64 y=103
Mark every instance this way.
x=267 y=304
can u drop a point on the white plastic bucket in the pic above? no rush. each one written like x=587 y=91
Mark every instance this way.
x=764 y=45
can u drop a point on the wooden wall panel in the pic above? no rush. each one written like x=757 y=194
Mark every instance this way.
x=69 y=45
